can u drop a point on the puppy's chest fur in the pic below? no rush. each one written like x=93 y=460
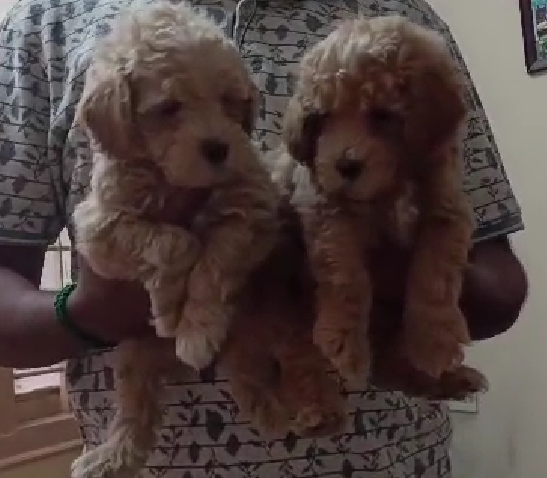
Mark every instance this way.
x=392 y=220
x=142 y=191
x=379 y=222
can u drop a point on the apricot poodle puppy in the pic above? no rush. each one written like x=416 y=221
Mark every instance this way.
x=169 y=106
x=375 y=121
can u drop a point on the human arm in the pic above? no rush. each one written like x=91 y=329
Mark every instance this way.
x=495 y=288
x=29 y=217
x=495 y=285
x=30 y=334
x=26 y=323
x=32 y=210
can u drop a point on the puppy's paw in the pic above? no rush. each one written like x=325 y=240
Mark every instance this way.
x=117 y=458
x=264 y=410
x=200 y=334
x=165 y=326
x=347 y=349
x=434 y=338
x=459 y=384
x=166 y=315
x=90 y=465
x=167 y=290
x=315 y=421
x=195 y=349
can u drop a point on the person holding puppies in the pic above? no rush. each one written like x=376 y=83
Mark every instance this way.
x=45 y=47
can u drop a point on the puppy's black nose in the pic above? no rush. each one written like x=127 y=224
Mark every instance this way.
x=214 y=150
x=349 y=168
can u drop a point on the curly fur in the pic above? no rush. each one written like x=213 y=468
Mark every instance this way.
x=375 y=123
x=280 y=380
x=169 y=106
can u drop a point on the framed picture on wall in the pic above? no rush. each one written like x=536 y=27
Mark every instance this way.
x=534 y=32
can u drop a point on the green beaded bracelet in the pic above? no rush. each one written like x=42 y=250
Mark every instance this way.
x=64 y=319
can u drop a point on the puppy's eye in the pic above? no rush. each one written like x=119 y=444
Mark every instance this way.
x=385 y=122
x=234 y=106
x=167 y=109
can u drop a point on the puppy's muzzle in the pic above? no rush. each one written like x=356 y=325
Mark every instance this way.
x=215 y=151
x=349 y=167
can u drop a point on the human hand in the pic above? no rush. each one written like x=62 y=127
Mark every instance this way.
x=111 y=310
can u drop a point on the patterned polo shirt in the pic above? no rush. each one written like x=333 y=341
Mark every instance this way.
x=45 y=47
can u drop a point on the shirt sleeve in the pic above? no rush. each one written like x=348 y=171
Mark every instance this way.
x=497 y=211
x=30 y=204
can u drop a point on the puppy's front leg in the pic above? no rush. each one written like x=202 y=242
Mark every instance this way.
x=167 y=253
x=435 y=328
x=344 y=294
x=167 y=291
x=237 y=241
x=123 y=246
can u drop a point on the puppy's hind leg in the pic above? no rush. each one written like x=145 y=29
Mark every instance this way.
x=119 y=457
x=254 y=383
x=139 y=369
x=312 y=395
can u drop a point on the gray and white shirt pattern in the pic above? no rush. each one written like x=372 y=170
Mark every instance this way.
x=44 y=170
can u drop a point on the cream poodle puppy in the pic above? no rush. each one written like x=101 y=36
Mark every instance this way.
x=169 y=106
x=375 y=121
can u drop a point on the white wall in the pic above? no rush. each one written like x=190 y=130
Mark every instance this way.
x=507 y=438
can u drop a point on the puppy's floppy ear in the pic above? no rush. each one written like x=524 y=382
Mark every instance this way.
x=438 y=112
x=251 y=108
x=302 y=126
x=105 y=110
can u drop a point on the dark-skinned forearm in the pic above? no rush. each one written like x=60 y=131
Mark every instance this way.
x=29 y=333
x=495 y=289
